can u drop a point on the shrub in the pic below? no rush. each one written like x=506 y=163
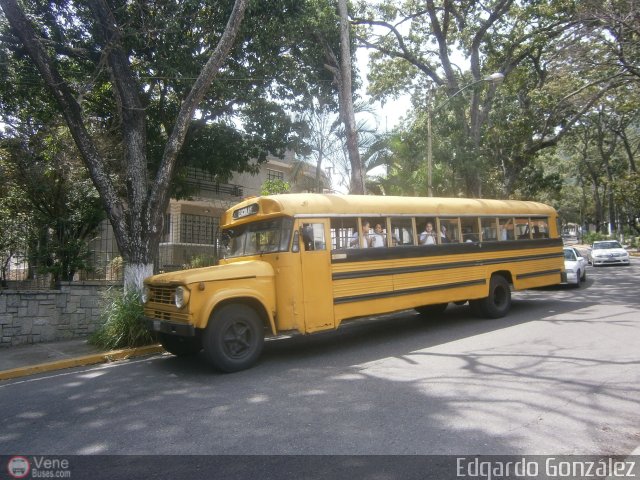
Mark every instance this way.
x=122 y=322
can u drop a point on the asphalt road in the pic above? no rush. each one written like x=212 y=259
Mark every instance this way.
x=559 y=375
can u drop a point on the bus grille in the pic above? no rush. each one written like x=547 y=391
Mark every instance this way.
x=166 y=316
x=163 y=295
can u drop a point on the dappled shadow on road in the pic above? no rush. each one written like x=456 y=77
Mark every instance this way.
x=549 y=378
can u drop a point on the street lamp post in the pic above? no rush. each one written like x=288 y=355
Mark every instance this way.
x=493 y=78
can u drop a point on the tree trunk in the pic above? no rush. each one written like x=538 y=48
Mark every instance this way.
x=346 y=102
x=134 y=274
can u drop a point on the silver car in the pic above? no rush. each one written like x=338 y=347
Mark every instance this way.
x=607 y=252
x=575 y=266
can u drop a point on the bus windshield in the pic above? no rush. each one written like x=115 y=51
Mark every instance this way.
x=267 y=236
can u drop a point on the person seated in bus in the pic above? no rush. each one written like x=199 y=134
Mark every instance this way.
x=537 y=233
x=428 y=236
x=506 y=230
x=356 y=242
x=468 y=236
x=378 y=238
x=443 y=234
x=307 y=237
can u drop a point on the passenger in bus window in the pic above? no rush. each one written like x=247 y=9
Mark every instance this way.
x=378 y=238
x=428 y=236
x=361 y=241
x=468 y=235
x=506 y=230
x=443 y=234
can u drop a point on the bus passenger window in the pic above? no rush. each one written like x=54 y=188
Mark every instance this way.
x=506 y=228
x=522 y=229
x=342 y=231
x=470 y=229
x=401 y=232
x=489 y=231
x=540 y=228
x=449 y=230
x=428 y=234
x=313 y=236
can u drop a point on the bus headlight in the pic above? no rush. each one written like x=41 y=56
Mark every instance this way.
x=146 y=294
x=181 y=297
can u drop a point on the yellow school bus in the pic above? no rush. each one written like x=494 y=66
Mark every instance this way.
x=305 y=263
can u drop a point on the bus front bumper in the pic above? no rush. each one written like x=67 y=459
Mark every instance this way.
x=171 y=328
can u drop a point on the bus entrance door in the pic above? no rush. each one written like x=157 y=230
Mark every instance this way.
x=316 y=275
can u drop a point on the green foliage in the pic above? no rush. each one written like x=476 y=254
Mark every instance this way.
x=590 y=237
x=47 y=184
x=122 y=325
x=202 y=260
x=274 y=187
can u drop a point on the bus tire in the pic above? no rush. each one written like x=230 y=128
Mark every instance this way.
x=234 y=338
x=432 y=310
x=180 y=346
x=497 y=303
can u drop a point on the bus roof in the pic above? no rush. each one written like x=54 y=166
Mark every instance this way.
x=315 y=204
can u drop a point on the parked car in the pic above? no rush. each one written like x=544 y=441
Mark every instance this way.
x=608 y=252
x=575 y=266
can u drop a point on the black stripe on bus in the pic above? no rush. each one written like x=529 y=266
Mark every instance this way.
x=408 y=291
x=539 y=274
x=442 y=266
x=412 y=251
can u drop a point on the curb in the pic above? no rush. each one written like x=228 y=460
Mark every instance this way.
x=93 y=359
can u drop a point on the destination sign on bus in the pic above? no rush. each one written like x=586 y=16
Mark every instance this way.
x=246 y=211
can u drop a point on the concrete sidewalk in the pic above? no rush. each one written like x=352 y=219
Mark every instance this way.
x=35 y=358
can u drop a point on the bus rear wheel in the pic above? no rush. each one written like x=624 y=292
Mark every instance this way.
x=497 y=303
x=234 y=338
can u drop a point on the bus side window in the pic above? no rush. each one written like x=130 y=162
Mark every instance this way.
x=342 y=230
x=470 y=229
x=449 y=230
x=401 y=232
x=540 y=228
x=489 y=231
x=522 y=229
x=313 y=236
x=506 y=228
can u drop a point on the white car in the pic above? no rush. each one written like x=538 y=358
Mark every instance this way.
x=575 y=266
x=608 y=252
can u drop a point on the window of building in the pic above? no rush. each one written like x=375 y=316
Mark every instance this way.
x=274 y=175
x=198 y=229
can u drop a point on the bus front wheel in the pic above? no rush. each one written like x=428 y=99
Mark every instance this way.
x=234 y=338
x=497 y=303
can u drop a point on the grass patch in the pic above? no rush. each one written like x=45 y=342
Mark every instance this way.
x=122 y=325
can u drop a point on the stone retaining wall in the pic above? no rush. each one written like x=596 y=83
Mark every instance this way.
x=50 y=315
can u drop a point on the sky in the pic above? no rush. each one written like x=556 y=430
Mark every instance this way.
x=389 y=115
